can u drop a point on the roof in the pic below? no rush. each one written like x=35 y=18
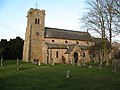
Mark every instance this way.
x=67 y=34
x=56 y=46
x=98 y=43
x=68 y=47
x=71 y=47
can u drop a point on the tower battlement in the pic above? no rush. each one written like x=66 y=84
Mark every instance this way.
x=32 y=10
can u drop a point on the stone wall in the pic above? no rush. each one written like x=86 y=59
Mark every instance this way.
x=63 y=41
x=56 y=55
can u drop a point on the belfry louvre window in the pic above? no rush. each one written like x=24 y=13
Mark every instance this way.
x=57 y=54
x=36 y=21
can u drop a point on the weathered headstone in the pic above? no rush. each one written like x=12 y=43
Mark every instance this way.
x=53 y=63
x=79 y=63
x=73 y=61
x=116 y=66
x=68 y=74
x=1 y=62
x=83 y=64
x=18 y=66
x=39 y=63
x=17 y=61
x=100 y=66
x=90 y=66
x=21 y=66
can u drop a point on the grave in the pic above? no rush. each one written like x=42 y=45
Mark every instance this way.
x=1 y=62
x=68 y=74
x=116 y=65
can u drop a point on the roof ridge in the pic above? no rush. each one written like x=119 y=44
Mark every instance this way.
x=66 y=30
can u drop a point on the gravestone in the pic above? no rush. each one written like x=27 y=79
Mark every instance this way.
x=83 y=64
x=18 y=65
x=53 y=63
x=73 y=61
x=21 y=66
x=100 y=66
x=1 y=62
x=39 y=63
x=90 y=66
x=116 y=66
x=79 y=63
x=68 y=74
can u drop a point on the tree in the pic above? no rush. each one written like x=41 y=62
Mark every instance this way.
x=3 y=44
x=15 y=48
x=2 y=52
x=11 y=49
x=104 y=18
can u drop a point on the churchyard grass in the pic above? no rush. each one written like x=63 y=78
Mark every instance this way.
x=48 y=77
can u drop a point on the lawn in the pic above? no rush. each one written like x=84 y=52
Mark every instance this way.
x=48 y=77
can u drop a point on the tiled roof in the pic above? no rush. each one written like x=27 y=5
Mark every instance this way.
x=67 y=34
x=56 y=46
x=71 y=47
x=98 y=43
x=68 y=47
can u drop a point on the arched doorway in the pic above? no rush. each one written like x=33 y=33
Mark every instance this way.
x=76 y=57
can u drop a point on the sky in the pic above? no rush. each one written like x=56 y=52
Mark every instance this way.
x=63 y=14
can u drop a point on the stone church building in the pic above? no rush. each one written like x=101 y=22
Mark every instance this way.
x=49 y=45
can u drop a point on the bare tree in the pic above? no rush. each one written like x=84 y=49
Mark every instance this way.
x=103 y=16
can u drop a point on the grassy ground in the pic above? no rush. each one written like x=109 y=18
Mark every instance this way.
x=47 y=77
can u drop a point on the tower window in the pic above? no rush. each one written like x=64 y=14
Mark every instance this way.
x=57 y=54
x=36 y=21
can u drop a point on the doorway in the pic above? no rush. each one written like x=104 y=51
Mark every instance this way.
x=76 y=57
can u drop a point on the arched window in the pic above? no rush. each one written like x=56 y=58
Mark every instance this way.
x=36 y=21
x=57 y=54
x=84 y=54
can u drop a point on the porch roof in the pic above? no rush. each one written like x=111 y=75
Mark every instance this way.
x=71 y=47
x=68 y=47
x=56 y=46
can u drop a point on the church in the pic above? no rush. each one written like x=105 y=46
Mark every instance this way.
x=48 y=45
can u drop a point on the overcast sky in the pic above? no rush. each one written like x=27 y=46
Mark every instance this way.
x=64 y=14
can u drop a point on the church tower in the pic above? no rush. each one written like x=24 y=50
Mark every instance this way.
x=34 y=35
